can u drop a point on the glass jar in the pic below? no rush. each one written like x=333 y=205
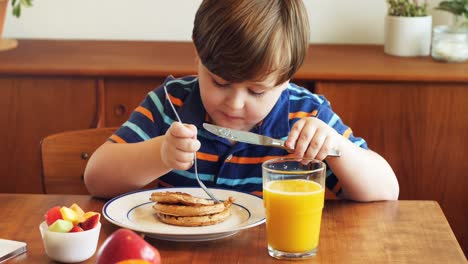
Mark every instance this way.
x=449 y=44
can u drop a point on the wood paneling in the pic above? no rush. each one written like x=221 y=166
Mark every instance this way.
x=420 y=129
x=123 y=95
x=30 y=109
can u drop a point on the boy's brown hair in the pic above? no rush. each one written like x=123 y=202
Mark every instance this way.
x=247 y=40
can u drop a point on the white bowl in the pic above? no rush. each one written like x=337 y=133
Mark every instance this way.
x=70 y=247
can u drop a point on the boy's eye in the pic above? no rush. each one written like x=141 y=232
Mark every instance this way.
x=256 y=94
x=222 y=85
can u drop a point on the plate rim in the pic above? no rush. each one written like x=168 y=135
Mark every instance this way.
x=179 y=236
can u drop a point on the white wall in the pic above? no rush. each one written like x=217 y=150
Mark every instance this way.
x=332 y=21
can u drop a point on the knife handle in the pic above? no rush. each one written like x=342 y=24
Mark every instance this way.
x=280 y=144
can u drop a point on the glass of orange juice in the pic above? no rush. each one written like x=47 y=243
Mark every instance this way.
x=293 y=195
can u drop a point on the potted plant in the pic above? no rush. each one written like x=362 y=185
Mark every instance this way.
x=450 y=42
x=6 y=44
x=407 y=28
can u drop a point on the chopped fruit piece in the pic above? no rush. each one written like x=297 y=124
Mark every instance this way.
x=77 y=209
x=91 y=222
x=72 y=219
x=62 y=226
x=89 y=214
x=76 y=229
x=53 y=215
x=69 y=215
x=79 y=212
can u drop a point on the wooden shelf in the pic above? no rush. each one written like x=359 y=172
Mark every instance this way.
x=148 y=59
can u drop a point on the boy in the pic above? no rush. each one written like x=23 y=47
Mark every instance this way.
x=247 y=51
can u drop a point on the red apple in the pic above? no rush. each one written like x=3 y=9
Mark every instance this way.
x=125 y=244
x=52 y=215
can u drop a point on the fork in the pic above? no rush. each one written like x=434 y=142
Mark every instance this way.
x=202 y=185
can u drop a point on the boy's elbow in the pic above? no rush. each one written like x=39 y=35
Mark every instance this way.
x=389 y=193
x=91 y=181
x=393 y=191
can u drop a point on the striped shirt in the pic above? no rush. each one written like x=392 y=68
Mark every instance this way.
x=221 y=164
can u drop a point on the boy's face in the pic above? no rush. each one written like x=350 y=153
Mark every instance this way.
x=237 y=105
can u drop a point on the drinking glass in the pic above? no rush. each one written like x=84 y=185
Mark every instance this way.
x=293 y=194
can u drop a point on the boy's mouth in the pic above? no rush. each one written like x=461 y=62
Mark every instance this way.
x=231 y=117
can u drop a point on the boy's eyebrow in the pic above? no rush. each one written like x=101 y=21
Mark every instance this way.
x=262 y=85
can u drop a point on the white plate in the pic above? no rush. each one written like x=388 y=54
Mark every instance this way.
x=134 y=211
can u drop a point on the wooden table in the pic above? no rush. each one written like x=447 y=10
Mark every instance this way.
x=379 y=232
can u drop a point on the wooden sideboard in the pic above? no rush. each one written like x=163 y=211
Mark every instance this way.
x=413 y=111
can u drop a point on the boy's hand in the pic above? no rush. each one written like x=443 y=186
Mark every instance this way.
x=311 y=138
x=179 y=146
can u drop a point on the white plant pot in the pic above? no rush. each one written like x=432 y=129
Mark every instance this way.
x=407 y=36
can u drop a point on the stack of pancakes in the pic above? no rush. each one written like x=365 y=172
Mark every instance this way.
x=183 y=209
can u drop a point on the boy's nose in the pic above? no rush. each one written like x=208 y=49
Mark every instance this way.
x=234 y=101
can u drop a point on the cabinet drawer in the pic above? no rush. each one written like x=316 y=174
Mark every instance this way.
x=122 y=96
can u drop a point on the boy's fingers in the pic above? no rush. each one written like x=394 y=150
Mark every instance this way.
x=325 y=149
x=305 y=139
x=315 y=143
x=188 y=145
x=192 y=128
x=185 y=157
x=183 y=130
x=294 y=134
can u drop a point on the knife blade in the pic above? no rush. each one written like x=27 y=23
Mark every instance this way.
x=253 y=138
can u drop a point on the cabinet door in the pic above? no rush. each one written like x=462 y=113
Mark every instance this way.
x=30 y=109
x=123 y=95
x=420 y=128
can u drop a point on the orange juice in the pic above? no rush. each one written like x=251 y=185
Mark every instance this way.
x=293 y=214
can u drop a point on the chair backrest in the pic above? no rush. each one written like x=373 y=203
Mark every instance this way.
x=64 y=157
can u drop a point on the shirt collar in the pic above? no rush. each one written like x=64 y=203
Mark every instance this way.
x=276 y=123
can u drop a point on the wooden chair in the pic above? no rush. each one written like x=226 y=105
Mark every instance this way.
x=64 y=157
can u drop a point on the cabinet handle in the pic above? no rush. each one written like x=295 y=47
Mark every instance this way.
x=120 y=110
x=84 y=156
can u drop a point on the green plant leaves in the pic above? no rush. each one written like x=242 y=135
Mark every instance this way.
x=456 y=7
x=407 y=8
x=459 y=8
x=17 y=6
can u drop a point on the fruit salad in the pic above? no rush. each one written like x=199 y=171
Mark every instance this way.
x=70 y=219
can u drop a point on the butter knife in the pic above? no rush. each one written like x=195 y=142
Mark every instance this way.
x=252 y=138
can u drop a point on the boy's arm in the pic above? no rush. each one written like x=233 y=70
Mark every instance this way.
x=116 y=168
x=363 y=174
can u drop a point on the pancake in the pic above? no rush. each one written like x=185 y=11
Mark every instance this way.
x=188 y=210
x=179 y=197
x=202 y=220
x=183 y=209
